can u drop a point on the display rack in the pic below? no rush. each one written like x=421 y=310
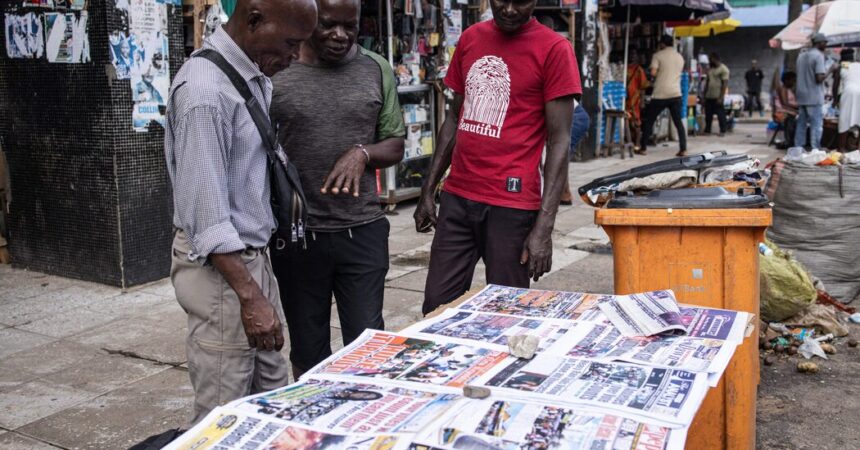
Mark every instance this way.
x=403 y=180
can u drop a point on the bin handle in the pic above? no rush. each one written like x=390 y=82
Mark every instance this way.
x=747 y=190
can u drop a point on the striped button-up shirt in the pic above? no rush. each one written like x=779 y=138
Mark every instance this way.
x=215 y=155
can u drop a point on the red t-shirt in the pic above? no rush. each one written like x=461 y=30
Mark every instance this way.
x=506 y=81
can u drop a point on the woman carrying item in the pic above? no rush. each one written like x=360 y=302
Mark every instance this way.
x=848 y=97
x=785 y=107
x=637 y=82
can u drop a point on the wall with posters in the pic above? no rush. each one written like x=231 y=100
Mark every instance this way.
x=91 y=195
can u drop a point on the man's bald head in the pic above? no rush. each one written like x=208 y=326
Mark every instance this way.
x=337 y=31
x=270 y=32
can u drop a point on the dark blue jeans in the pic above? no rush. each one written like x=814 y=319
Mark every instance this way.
x=578 y=128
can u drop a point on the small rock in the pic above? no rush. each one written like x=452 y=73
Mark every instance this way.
x=523 y=345
x=768 y=345
x=770 y=334
x=852 y=343
x=769 y=360
x=779 y=348
x=807 y=367
x=828 y=348
x=478 y=392
x=792 y=350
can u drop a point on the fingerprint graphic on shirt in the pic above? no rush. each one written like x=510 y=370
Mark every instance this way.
x=488 y=94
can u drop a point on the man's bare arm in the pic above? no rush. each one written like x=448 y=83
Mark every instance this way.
x=537 y=250
x=425 y=214
x=262 y=326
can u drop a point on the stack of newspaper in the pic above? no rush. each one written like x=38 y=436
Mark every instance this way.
x=592 y=384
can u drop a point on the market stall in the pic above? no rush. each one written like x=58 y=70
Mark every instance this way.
x=467 y=377
x=630 y=14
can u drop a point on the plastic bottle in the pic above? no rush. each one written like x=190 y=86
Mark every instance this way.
x=764 y=249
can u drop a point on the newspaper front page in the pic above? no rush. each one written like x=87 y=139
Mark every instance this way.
x=525 y=302
x=350 y=406
x=228 y=428
x=388 y=356
x=644 y=314
x=667 y=395
x=515 y=425
x=490 y=330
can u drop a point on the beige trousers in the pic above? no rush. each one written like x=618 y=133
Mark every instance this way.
x=221 y=364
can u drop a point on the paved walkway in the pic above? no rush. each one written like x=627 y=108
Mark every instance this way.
x=88 y=366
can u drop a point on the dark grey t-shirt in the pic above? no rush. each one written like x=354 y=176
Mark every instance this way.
x=323 y=112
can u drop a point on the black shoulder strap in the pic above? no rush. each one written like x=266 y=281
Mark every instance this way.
x=257 y=114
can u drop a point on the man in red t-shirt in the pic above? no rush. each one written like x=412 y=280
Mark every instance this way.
x=514 y=83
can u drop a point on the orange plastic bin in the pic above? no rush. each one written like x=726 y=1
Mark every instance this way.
x=709 y=257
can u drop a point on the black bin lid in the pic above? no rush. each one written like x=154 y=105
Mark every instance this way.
x=693 y=198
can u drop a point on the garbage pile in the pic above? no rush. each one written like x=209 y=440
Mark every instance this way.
x=800 y=320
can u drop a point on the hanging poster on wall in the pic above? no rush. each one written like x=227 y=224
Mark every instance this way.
x=140 y=54
x=40 y=3
x=66 y=38
x=24 y=37
x=77 y=4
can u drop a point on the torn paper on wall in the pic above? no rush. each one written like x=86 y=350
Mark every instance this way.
x=24 y=36
x=66 y=38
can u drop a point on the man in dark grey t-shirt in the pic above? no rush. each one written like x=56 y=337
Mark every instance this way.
x=339 y=121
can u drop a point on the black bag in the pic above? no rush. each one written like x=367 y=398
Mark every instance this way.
x=288 y=198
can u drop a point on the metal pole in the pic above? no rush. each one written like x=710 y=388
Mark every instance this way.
x=389 y=19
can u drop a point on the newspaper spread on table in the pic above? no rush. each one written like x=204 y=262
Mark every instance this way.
x=713 y=336
x=644 y=314
x=589 y=385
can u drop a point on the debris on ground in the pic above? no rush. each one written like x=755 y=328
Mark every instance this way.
x=811 y=347
x=828 y=348
x=786 y=287
x=823 y=318
x=807 y=367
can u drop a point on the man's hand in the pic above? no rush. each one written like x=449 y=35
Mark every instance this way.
x=537 y=253
x=425 y=213
x=259 y=319
x=264 y=330
x=346 y=174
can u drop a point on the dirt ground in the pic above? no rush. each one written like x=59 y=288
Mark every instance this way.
x=811 y=411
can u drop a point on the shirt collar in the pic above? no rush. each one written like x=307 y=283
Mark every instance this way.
x=221 y=42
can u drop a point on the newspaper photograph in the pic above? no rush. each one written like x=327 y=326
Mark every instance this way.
x=350 y=406
x=524 y=302
x=491 y=330
x=644 y=314
x=667 y=395
x=228 y=428
x=514 y=425
x=388 y=356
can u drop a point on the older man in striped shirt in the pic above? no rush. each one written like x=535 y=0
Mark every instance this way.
x=217 y=163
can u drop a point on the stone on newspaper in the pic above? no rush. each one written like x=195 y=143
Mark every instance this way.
x=477 y=392
x=523 y=345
